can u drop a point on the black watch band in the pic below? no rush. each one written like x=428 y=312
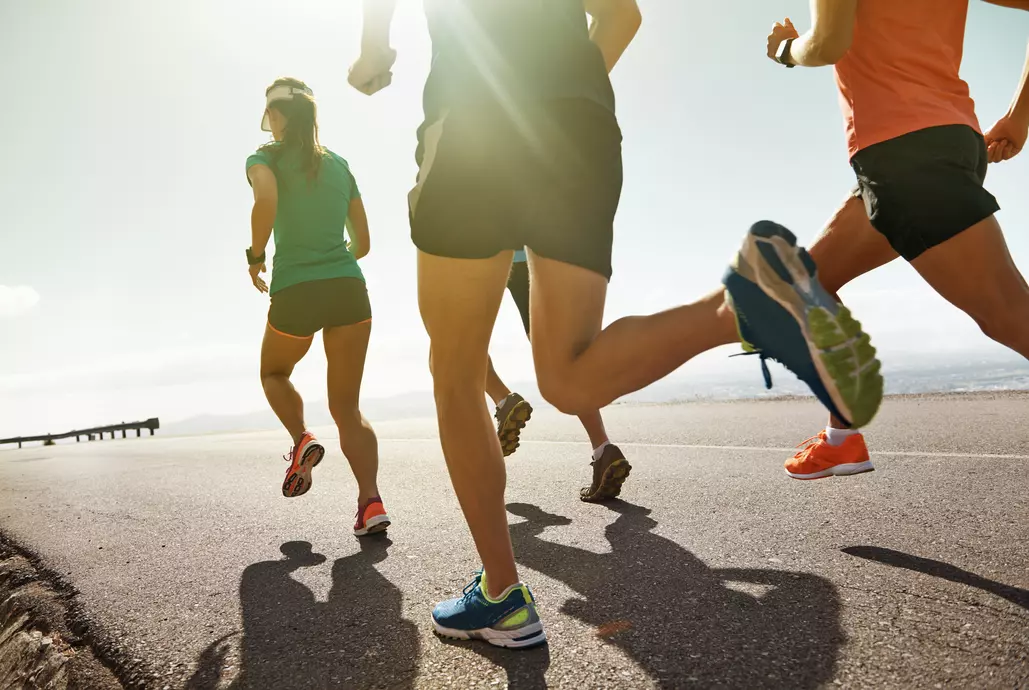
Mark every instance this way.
x=254 y=260
x=784 y=58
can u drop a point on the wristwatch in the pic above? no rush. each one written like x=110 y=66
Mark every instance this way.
x=783 y=56
x=254 y=260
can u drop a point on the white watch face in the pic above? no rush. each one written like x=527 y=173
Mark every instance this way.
x=784 y=51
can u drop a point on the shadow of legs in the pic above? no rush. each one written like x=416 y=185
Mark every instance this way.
x=356 y=639
x=682 y=622
x=944 y=571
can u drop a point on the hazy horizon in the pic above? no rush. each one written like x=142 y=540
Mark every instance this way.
x=952 y=373
x=123 y=289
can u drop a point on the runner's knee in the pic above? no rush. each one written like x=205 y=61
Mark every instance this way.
x=456 y=374
x=346 y=414
x=1003 y=326
x=269 y=373
x=566 y=395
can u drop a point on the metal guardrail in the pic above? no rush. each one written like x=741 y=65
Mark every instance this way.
x=90 y=434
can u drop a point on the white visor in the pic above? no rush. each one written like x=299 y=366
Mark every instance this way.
x=280 y=93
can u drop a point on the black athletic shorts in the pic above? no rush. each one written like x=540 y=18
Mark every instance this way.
x=924 y=188
x=303 y=309
x=518 y=286
x=548 y=177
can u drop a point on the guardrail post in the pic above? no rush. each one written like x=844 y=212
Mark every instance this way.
x=95 y=434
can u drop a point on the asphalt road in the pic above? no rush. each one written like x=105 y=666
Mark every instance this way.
x=716 y=570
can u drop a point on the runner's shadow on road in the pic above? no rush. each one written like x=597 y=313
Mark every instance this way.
x=526 y=668
x=944 y=571
x=683 y=623
x=356 y=639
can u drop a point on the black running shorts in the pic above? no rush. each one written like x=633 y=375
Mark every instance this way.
x=924 y=188
x=303 y=309
x=518 y=286
x=546 y=176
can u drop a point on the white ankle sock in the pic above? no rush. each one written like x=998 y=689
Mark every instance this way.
x=836 y=437
x=599 y=450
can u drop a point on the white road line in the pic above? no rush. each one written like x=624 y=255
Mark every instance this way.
x=759 y=449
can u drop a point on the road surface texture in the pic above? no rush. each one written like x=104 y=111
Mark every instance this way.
x=716 y=570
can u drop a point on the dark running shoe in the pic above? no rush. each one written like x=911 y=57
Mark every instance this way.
x=609 y=473
x=512 y=414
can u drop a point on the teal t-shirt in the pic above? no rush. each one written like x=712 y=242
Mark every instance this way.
x=310 y=220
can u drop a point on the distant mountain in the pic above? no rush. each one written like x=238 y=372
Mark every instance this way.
x=316 y=413
x=260 y=420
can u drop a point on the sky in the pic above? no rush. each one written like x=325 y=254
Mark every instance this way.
x=124 y=208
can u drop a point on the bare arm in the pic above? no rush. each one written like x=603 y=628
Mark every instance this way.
x=1019 y=110
x=357 y=228
x=266 y=205
x=1007 y=138
x=378 y=17
x=262 y=218
x=614 y=25
x=372 y=70
x=828 y=39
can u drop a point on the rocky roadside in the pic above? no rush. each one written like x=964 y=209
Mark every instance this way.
x=44 y=643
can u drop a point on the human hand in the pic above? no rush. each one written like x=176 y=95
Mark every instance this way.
x=1005 y=139
x=372 y=70
x=256 y=279
x=780 y=32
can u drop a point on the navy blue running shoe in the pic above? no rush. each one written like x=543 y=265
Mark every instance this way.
x=784 y=313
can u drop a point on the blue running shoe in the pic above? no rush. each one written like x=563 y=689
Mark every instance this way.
x=511 y=621
x=784 y=313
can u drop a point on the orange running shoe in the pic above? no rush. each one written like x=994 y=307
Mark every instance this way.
x=302 y=458
x=371 y=518
x=818 y=459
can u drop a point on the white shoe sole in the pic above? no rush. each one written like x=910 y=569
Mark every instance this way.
x=843 y=470
x=528 y=636
x=302 y=480
x=374 y=525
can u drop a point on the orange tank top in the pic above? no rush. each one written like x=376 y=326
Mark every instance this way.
x=901 y=73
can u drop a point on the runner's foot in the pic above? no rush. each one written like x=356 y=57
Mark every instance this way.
x=784 y=313
x=818 y=459
x=609 y=473
x=510 y=621
x=302 y=458
x=371 y=518
x=512 y=414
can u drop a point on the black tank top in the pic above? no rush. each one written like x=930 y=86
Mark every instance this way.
x=509 y=52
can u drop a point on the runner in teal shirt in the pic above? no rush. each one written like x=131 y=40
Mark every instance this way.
x=309 y=239
x=307 y=197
